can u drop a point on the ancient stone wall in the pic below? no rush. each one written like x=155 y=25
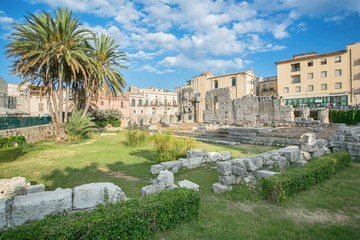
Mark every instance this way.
x=219 y=107
x=347 y=139
x=31 y=134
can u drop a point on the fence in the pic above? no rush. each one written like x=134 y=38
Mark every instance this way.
x=20 y=122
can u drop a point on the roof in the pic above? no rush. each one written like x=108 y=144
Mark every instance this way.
x=298 y=57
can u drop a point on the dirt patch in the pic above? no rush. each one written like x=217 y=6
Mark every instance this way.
x=316 y=216
x=118 y=174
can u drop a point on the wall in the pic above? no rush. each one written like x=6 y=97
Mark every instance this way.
x=31 y=134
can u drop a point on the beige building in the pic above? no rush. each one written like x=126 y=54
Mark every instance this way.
x=193 y=94
x=267 y=86
x=320 y=80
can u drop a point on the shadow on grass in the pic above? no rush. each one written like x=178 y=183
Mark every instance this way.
x=144 y=153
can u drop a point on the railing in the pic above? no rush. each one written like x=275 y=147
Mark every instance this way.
x=20 y=122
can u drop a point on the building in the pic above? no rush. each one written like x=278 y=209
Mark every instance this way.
x=193 y=94
x=121 y=104
x=267 y=86
x=152 y=105
x=320 y=80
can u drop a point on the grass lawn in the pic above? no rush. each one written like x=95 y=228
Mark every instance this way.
x=330 y=210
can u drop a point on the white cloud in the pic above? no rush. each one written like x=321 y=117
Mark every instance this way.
x=5 y=21
x=143 y=55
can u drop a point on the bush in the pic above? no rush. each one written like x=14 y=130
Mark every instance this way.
x=12 y=141
x=108 y=116
x=78 y=127
x=351 y=117
x=10 y=154
x=279 y=187
x=169 y=148
x=134 y=219
x=136 y=137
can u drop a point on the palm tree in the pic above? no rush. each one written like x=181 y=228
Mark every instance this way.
x=105 y=75
x=53 y=53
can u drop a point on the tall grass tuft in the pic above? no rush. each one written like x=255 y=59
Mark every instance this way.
x=78 y=126
x=169 y=148
x=136 y=137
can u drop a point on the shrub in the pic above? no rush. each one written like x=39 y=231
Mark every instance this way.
x=10 y=154
x=108 y=116
x=279 y=187
x=134 y=219
x=78 y=126
x=136 y=137
x=12 y=141
x=345 y=116
x=168 y=147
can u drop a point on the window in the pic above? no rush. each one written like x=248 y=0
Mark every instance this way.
x=295 y=79
x=216 y=84
x=323 y=86
x=102 y=103
x=298 y=89
x=323 y=61
x=122 y=105
x=295 y=67
x=338 y=59
x=286 y=90
x=271 y=86
x=310 y=88
x=147 y=102
x=310 y=75
x=338 y=85
x=233 y=82
x=141 y=111
x=264 y=87
x=134 y=111
x=140 y=102
x=133 y=102
x=310 y=63
x=41 y=107
x=338 y=72
x=323 y=74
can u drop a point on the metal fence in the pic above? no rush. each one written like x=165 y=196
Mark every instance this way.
x=20 y=122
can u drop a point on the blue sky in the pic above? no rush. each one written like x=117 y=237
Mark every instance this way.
x=170 y=41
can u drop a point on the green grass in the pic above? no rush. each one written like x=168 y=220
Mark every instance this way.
x=330 y=210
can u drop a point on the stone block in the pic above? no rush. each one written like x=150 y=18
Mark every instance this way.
x=306 y=156
x=3 y=222
x=219 y=188
x=35 y=188
x=196 y=153
x=155 y=169
x=165 y=178
x=292 y=154
x=184 y=162
x=264 y=174
x=189 y=185
x=309 y=147
x=249 y=165
x=224 y=168
x=239 y=167
x=38 y=205
x=195 y=162
x=281 y=162
x=90 y=195
x=172 y=166
x=318 y=153
x=335 y=144
x=227 y=179
x=308 y=138
x=225 y=155
x=213 y=157
x=327 y=150
x=258 y=161
x=152 y=189
x=321 y=143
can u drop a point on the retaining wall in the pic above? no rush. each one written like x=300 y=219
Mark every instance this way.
x=31 y=134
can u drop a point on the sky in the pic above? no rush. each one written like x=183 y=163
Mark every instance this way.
x=170 y=41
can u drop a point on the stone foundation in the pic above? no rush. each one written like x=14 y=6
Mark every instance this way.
x=32 y=134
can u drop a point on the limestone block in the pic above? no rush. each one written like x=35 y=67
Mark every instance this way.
x=321 y=143
x=213 y=157
x=196 y=153
x=308 y=138
x=281 y=162
x=3 y=222
x=319 y=129
x=249 y=165
x=219 y=188
x=265 y=174
x=173 y=166
x=258 y=161
x=184 y=162
x=334 y=137
x=309 y=147
x=335 y=144
x=155 y=169
x=90 y=195
x=152 y=189
x=338 y=150
x=306 y=156
x=318 y=153
x=227 y=179
x=224 y=168
x=166 y=178
x=299 y=163
x=292 y=154
x=342 y=138
x=327 y=150
x=195 y=162
x=225 y=155
x=189 y=185
x=239 y=167
x=35 y=188
x=38 y=205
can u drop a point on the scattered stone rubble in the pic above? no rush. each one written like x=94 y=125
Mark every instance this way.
x=21 y=203
x=165 y=181
x=346 y=139
x=194 y=158
x=249 y=170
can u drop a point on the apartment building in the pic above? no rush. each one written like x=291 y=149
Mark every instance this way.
x=239 y=84
x=320 y=80
x=267 y=86
x=122 y=104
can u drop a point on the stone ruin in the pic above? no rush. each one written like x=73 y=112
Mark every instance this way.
x=346 y=139
x=21 y=203
x=220 y=107
x=250 y=169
